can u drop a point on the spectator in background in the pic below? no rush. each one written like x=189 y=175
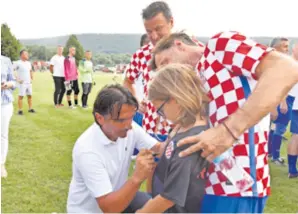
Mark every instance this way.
x=293 y=144
x=284 y=110
x=24 y=76
x=57 y=69
x=8 y=84
x=71 y=77
x=144 y=40
x=86 y=71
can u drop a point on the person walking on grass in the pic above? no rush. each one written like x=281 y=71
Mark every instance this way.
x=71 y=77
x=57 y=69
x=24 y=76
x=8 y=84
x=86 y=71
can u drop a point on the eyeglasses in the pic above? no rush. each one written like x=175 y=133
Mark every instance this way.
x=160 y=109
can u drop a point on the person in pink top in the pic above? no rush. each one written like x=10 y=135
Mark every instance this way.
x=71 y=77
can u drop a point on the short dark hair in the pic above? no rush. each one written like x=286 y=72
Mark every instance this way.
x=110 y=100
x=143 y=38
x=167 y=42
x=86 y=51
x=22 y=51
x=155 y=8
x=277 y=40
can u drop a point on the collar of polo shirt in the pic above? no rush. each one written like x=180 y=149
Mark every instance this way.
x=105 y=140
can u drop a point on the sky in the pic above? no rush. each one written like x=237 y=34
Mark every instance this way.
x=48 y=18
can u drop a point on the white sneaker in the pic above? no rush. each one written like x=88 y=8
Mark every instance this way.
x=3 y=171
x=72 y=107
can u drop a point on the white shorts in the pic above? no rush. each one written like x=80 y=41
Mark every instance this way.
x=25 y=89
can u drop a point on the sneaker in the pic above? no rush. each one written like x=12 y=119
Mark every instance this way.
x=293 y=175
x=32 y=111
x=3 y=171
x=72 y=107
x=279 y=162
x=85 y=107
x=20 y=112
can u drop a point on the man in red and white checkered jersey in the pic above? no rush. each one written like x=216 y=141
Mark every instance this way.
x=158 y=22
x=244 y=82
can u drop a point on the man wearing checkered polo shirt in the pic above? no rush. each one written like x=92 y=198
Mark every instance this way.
x=244 y=83
x=158 y=22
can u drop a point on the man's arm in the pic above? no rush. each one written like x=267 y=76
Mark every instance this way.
x=132 y=73
x=31 y=75
x=158 y=204
x=97 y=180
x=11 y=80
x=284 y=106
x=144 y=141
x=271 y=88
x=116 y=202
x=130 y=85
x=51 y=69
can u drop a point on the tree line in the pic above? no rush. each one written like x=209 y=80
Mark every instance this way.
x=11 y=48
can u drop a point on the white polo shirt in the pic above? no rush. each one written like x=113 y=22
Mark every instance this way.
x=58 y=63
x=101 y=166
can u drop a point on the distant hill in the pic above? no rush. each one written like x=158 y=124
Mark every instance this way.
x=111 y=43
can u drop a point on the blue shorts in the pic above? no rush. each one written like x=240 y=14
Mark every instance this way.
x=223 y=204
x=285 y=118
x=294 y=122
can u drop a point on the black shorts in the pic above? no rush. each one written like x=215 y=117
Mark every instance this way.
x=74 y=86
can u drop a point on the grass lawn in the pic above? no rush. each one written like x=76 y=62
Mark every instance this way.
x=40 y=147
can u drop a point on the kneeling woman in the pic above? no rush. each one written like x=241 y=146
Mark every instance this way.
x=178 y=185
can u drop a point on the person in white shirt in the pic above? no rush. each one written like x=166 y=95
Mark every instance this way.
x=57 y=69
x=102 y=157
x=24 y=76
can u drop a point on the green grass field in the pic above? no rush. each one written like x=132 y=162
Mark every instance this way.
x=40 y=147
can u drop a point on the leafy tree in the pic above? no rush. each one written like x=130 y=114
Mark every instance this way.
x=10 y=46
x=40 y=52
